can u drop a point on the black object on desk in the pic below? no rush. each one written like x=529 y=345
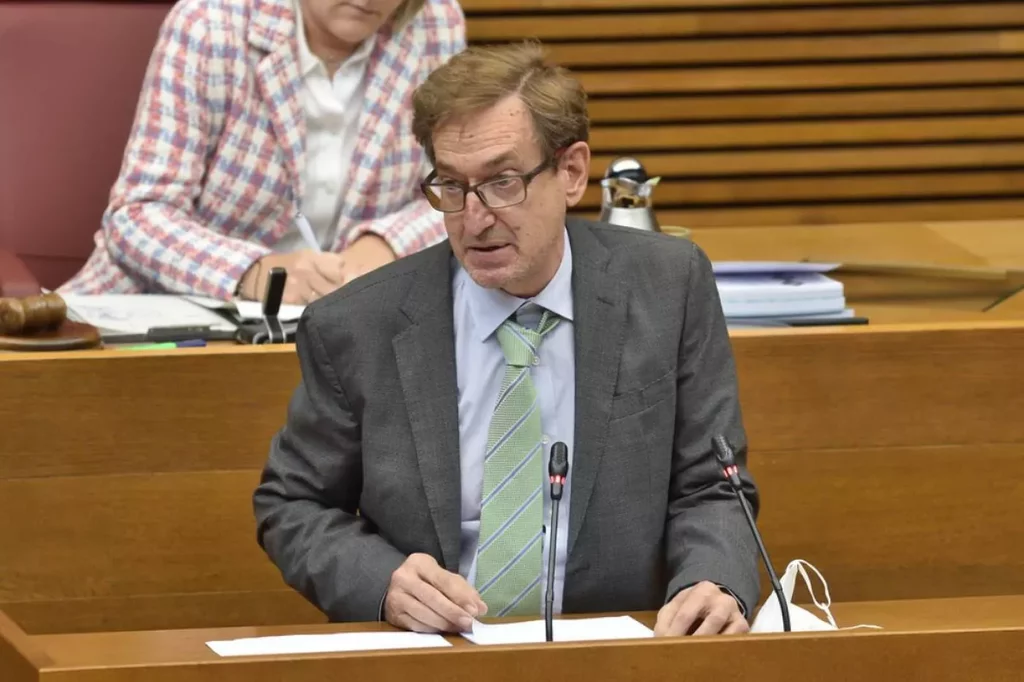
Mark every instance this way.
x=168 y=334
x=270 y=329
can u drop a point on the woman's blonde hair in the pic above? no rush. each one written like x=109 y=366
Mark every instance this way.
x=404 y=13
x=481 y=76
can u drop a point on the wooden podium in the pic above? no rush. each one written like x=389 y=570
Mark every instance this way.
x=937 y=640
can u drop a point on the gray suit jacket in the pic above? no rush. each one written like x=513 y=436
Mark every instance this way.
x=366 y=470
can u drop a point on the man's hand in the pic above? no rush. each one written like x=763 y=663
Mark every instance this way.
x=365 y=254
x=424 y=597
x=703 y=609
x=311 y=274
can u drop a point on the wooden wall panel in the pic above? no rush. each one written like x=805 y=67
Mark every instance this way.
x=863 y=87
x=897 y=522
x=874 y=449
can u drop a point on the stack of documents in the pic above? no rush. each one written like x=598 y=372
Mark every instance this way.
x=755 y=293
x=136 y=314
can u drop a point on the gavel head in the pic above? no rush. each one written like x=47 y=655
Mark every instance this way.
x=32 y=314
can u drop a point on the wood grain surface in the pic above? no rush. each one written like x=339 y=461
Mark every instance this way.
x=125 y=492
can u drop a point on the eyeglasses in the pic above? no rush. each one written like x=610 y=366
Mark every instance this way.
x=449 y=196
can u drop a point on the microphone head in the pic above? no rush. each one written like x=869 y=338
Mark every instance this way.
x=558 y=464
x=723 y=451
x=274 y=292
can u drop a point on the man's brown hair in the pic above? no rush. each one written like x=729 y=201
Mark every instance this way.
x=481 y=76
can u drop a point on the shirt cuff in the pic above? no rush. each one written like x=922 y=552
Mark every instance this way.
x=380 y=609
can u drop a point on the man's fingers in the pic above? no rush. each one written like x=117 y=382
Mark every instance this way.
x=407 y=622
x=423 y=615
x=433 y=599
x=424 y=591
x=666 y=615
x=690 y=612
x=717 y=615
x=457 y=590
x=424 y=597
x=738 y=625
x=396 y=612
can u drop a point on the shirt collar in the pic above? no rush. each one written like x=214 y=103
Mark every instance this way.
x=309 y=62
x=491 y=307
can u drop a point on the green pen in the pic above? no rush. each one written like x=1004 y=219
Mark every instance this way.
x=150 y=346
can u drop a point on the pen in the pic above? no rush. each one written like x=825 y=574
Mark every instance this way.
x=306 y=230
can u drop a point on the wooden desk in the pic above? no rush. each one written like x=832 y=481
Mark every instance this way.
x=934 y=640
x=890 y=457
x=1010 y=308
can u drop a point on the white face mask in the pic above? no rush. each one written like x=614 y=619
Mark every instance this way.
x=769 y=617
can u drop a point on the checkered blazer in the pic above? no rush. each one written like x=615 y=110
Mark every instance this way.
x=212 y=174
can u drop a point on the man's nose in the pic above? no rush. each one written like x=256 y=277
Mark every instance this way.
x=477 y=216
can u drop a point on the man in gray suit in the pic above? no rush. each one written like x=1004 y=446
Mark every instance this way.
x=409 y=482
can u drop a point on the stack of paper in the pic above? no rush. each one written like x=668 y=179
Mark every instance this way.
x=757 y=293
x=116 y=314
x=135 y=314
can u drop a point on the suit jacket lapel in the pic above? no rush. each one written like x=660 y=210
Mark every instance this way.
x=272 y=30
x=425 y=353
x=388 y=85
x=599 y=327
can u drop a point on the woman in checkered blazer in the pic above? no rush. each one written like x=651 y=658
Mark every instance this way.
x=274 y=133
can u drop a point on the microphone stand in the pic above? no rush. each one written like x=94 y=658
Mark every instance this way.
x=558 y=469
x=726 y=457
x=549 y=598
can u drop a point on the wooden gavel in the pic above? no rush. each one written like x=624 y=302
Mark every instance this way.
x=31 y=314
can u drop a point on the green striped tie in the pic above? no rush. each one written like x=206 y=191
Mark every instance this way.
x=508 y=567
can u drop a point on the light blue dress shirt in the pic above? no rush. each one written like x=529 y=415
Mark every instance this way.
x=478 y=312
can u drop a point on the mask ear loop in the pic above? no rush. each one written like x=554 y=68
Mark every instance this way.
x=828 y=597
x=824 y=607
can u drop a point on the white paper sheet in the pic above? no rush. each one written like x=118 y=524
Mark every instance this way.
x=569 y=630
x=138 y=313
x=248 y=311
x=253 y=310
x=320 y=644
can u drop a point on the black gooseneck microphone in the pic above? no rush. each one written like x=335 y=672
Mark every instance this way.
x=726 y=457
x=558 y=469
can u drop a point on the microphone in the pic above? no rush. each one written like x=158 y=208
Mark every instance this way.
x=558 y=469
x=726 y=457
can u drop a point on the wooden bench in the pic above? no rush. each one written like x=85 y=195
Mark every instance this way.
x=788 y=112
x=890 y=457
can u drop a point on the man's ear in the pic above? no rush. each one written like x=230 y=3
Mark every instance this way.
x=574 y=164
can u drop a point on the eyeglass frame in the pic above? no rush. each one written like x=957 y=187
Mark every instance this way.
x=526 y=177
